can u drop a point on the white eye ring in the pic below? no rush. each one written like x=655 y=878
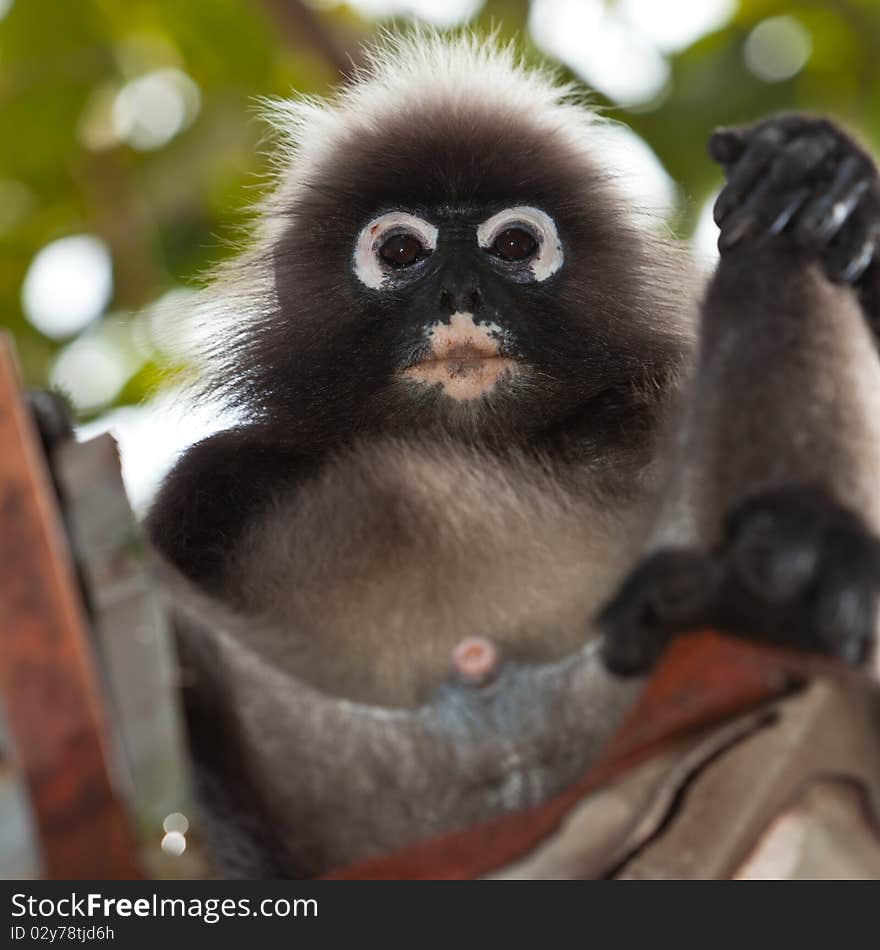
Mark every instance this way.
x=368 y=266
x=549 y=257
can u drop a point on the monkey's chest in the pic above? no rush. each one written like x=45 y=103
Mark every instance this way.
x=374 y=574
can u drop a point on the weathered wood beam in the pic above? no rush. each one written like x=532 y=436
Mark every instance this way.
x=134 y=653
x=52 y=702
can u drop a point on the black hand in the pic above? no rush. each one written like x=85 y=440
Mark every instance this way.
x=807 y=179
x=794 y=568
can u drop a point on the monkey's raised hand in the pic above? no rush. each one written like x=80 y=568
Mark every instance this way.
x=804 y=176
x=794 y=568
x=780 y=434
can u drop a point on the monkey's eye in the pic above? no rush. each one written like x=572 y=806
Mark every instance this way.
x=524 y=236
x=514 y=244
x=402 y=250
x=392 y=241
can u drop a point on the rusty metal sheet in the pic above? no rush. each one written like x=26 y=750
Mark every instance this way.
x=703 y=679
x=831 y=830
x=608 y=825
x=790 y=790
x=827 y=731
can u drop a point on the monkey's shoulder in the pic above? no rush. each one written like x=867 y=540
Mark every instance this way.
x=214 y=491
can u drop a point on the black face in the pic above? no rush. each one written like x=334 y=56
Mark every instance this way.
x=474 y=238
x=455 y=280
x=398 y=247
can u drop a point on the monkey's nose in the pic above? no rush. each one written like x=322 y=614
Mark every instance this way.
x=459 y=301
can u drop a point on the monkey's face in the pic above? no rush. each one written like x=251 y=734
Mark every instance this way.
x=455 y=279
x=461 y=270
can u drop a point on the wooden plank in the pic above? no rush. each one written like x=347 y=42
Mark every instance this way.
x=133 y=644
x=49 y=687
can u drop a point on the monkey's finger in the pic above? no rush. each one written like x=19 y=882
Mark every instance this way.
x=727 y=145
x=629 y=651
x=772 y=549
x=855 y=249
x=826 y=214
x=845 y=616
x=843 y=608
x=763 y=209
x=746 y=219
x=669 y=593
x=802 y=158
x=757 y=156
x=787 y=210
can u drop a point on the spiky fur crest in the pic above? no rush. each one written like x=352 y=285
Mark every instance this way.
x=405 y=74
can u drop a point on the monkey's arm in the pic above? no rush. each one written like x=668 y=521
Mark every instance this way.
x=769 y=527
x=213 y=492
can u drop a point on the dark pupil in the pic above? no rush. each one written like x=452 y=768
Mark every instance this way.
x=401 y=250
x=515 y=244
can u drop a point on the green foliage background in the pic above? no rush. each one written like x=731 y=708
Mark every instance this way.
x=170 y=213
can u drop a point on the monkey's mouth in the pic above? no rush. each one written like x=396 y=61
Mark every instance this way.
x=464 y=372
x=464 y=358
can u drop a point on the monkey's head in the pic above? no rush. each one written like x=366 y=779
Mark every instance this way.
x=444 y=248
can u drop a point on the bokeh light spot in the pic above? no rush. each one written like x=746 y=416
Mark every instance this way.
x=610 y=55
x=778 y=48
x=174 y=843
x=150 y=110
x=90 y=371
x=68 y=284
x=176 y=821
x=446 y=13
x=675 y=24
